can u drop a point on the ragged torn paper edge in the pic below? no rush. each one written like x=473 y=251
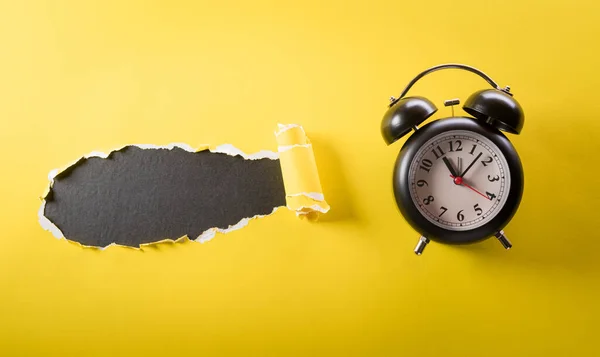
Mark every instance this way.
x=306 y=199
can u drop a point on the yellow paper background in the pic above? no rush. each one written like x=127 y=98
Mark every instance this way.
x=77 y=76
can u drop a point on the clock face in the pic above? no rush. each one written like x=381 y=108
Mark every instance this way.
x=459 y=180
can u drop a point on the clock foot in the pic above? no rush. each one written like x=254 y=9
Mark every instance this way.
x=503 y=240
x=423 y=241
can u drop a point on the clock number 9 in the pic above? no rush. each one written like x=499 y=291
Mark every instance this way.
x=422 y=183
x=428 y=200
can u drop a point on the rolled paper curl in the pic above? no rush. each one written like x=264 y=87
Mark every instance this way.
x=303 y=190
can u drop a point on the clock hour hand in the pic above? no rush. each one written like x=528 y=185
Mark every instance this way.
x=449 y=166
x=471 y=165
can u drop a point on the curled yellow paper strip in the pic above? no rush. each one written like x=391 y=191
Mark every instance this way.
x=303 y=190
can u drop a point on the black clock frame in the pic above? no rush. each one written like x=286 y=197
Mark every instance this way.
x=401 y=182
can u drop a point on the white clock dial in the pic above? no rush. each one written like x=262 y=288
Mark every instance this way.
x=459 y=180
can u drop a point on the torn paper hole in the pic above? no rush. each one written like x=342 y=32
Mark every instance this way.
x=145 y=194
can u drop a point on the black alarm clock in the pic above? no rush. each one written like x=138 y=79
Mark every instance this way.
x=457 y=180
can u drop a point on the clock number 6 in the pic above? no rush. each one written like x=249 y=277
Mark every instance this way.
x=460 y=216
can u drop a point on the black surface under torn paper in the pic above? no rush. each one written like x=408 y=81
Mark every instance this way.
x=138 y=196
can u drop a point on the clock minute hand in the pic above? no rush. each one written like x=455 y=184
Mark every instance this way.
x=472 y=163
x=449 y=166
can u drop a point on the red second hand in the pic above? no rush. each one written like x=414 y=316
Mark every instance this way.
x=459 y=181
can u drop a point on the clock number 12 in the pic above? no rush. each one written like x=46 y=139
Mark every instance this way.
x=458 y=145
